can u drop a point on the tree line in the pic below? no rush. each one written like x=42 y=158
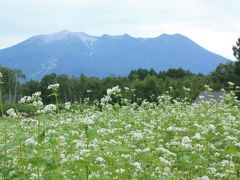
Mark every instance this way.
x=139 y=84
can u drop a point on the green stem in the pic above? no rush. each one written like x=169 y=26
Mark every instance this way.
x=87 y=168
x=1 y=103
x=57 y=103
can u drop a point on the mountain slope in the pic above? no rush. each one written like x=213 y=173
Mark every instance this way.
x=74 y=53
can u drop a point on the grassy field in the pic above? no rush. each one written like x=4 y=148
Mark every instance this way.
x=167 y=139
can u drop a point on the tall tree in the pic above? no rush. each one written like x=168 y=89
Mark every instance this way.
x=18 y=77
x=236 y=53
x=236 y=49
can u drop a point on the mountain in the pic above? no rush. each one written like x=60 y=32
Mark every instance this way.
x=74 y=53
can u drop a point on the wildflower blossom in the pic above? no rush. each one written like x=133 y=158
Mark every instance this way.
x=53 y=87
x=67 y=105
x=30 y=142
x=11 y=112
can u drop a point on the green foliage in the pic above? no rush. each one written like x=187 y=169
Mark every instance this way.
x=23 y=108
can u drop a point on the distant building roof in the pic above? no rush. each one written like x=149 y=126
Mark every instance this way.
x=216 y=95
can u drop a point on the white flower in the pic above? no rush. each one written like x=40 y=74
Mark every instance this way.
x=37 y=94
x=105 y=100
x=49 y=108
x=11 y=112
x=67 y=105
x=197 y=136
x=87 y=121
x=100 y=160
x=30 y=142
x=54 y=87
x=231 y=84
x=113 y=90
x=164 y=161
x=138 y=166
x=1 y=75
x=207 y=88
x=120 y=171
x=89 y=91
x=186 y=89
x=186 y=142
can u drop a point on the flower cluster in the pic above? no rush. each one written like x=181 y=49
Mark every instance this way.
x=54 y=87
x=67 y=105
x=35 y=99
x=110 y=92
x=113 y=90
x=11 y=112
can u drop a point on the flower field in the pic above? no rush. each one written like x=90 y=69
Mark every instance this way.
x=167 y=139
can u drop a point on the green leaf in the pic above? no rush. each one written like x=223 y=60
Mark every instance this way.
x=42 y=160
x=17 y=141
x=5 y=171
x=232 y=150
x=53 y=94
x=41 y=136
x=92 y=133
x=4 y=159
x=118 y=149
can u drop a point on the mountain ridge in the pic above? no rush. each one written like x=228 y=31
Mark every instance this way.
x=74 y=53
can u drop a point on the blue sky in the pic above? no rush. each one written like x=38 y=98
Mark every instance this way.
x=214 y=24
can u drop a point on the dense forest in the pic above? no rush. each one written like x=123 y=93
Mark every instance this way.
x=139 y=84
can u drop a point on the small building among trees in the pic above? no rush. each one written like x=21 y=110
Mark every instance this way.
x=215 y=95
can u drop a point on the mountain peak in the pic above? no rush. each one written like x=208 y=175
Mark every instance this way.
x=66 y=35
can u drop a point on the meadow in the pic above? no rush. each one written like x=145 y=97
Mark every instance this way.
x=167 y=139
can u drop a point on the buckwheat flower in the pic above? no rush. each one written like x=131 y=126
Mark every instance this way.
x=186 y=142
x=100 y=160
x=87 y=121
x=237 y=144
x=36 y=94
x=63 y=158
x=105 y=100
x=49 y=108
x=197 y=136
x=30 y=142
x=11 y=112
x=53 y=87
x=164 y=161
x=120 y=171
x=137 y=136
x=94 y=175
x=89 y=91
x=29 y=99
x=138 y=166
x=212 y=170
x=33 y=176
x=84 y=152
x=207 y=88
x=67 y=105
x=204 y=178
x=113 y=90
x=186 y=89
x=231 y=118
x=37 y=103
x=1 y=75
x=231 y=84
